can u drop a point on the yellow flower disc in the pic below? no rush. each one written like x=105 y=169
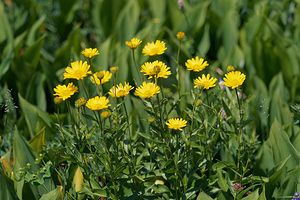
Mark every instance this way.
x=153 y=49
x=205 y=82
x=234 y=79
x=64 y=92
x=157 y=68
x=120 y=90
x=196 y=64
x=176 y=123
x=90 y=53
x=97 y=103
x=147 y=90
x=134 y=43
x=78 y=70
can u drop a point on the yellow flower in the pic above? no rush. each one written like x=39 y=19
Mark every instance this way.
x=64 y=92
x=230 y=68
x=156 y=68
x=205 y=82
x=147 y=90
x=105 y=114
x=180 y=35
x=234 y=79
x=97 y=103
x=90 y=53
x=104 y=76
x=134 y=43
x=114 y=69
x=120 y=90
x=80 y=102
x=196 y=64
x=153 y=49
x=78 y=70
x=176 y=123
x=57 y=100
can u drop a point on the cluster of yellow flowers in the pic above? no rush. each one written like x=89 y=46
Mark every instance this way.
x=154 y=70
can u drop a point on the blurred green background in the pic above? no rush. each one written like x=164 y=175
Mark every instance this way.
x=38 y=39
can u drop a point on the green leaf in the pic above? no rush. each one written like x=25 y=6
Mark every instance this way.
x=203 y=196
x=253 y=196
x=38 y=142
x=33 y=115
x=55 y=194
x=7 y=190
x=221 y=181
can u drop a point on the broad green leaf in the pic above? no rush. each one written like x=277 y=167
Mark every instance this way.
x=203 y=196
x=282 y=147
x=38 y=142
x=253 y=196
x=7 y=190
x=55 y=194
x=221 y=181
x=33 y=115
x=34 y=32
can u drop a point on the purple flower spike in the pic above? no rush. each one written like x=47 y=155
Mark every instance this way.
x=296 y=194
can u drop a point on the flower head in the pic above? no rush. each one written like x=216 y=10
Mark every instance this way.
x=57 y=100
x=90 y=53
x=106 y=114
x=134 y=43
x=102 y=76
x=234 y=79
x=205 y=82
x=64 y=92
x=180 y=35
x=176 y=123
x=156 y=68
x=120 y=90
x=147 y=90
x=80 y=102
x=153 y=49
x=97 y=103
x=114 y=69
x=230 y=68
x=196 y=64
x=78 y=70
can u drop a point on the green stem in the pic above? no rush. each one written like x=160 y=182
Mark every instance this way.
x=84 y=88
x=136 y=67
x=179 y=70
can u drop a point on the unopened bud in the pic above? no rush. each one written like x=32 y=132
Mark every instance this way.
x=114 y=69
x=180 y=35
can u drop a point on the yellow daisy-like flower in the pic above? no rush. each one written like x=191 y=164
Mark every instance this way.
x=120 y=90
x=78 y=70
x=205 y=82
x=230 y=68
x=103 y=76
x=196 y=64
x=105 y=114
x=134 y=43
x=153 y=49
x=64 y=92
x=90 y=53
x=176 y=123
x=156 y=68
x=147 y=90
x=234 y=79
x=97 y=103
x=180 y=35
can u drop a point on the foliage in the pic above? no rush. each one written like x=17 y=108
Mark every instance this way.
x=54 y=151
